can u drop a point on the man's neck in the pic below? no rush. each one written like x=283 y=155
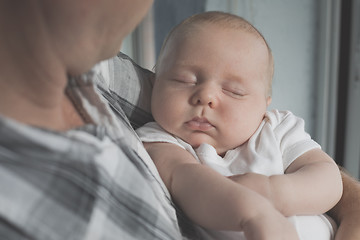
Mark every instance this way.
x=59 y=116
x=31 y=101
x=32 y=76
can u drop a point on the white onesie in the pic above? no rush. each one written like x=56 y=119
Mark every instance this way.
x=278 y=141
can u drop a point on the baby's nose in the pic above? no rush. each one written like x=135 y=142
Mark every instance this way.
x=205 y=96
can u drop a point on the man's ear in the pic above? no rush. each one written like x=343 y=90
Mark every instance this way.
x=268 y=101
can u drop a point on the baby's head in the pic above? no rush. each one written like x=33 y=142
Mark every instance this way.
x=213 y=81
x=191 y=25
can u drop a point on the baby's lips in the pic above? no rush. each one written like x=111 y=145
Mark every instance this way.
x=199 y=124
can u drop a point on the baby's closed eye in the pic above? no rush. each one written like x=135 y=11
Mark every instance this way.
x=235 y=93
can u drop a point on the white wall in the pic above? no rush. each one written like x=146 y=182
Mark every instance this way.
x=352 y=140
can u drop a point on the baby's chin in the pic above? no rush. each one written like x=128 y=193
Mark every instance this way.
x=195 y=140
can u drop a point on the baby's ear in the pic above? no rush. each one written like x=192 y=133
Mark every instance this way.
x=268 y=101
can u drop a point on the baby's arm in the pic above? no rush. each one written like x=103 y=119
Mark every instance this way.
x=214 y=201
x=311 y=185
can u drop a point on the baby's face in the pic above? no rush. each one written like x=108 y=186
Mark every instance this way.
x=210 y=87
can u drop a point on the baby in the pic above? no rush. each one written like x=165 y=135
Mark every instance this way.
x=228 y=162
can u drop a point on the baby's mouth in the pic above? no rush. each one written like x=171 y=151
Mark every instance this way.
x=199 y=124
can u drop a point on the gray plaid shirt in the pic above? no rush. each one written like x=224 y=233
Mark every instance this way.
x=94 y=182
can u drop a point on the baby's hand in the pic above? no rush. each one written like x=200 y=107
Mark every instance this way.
x=271 y=225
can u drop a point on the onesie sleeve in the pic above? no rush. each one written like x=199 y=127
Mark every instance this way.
x=289 y=130
x=152 y=132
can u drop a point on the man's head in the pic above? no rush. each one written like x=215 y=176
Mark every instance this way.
x=213 y=81
x=77 y=33
x=98 y=26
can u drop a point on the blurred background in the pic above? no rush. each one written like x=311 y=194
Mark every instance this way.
x=316 y=47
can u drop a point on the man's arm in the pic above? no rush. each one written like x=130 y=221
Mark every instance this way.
x=347 y=211
x=311 y=185
x=213 y=201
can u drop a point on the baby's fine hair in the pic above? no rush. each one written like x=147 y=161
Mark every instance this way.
x=225 y=20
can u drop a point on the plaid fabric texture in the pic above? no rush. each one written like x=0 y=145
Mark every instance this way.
x=128 y=87
x=87 y=183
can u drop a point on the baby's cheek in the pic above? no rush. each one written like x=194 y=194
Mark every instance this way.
x=166 y=115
